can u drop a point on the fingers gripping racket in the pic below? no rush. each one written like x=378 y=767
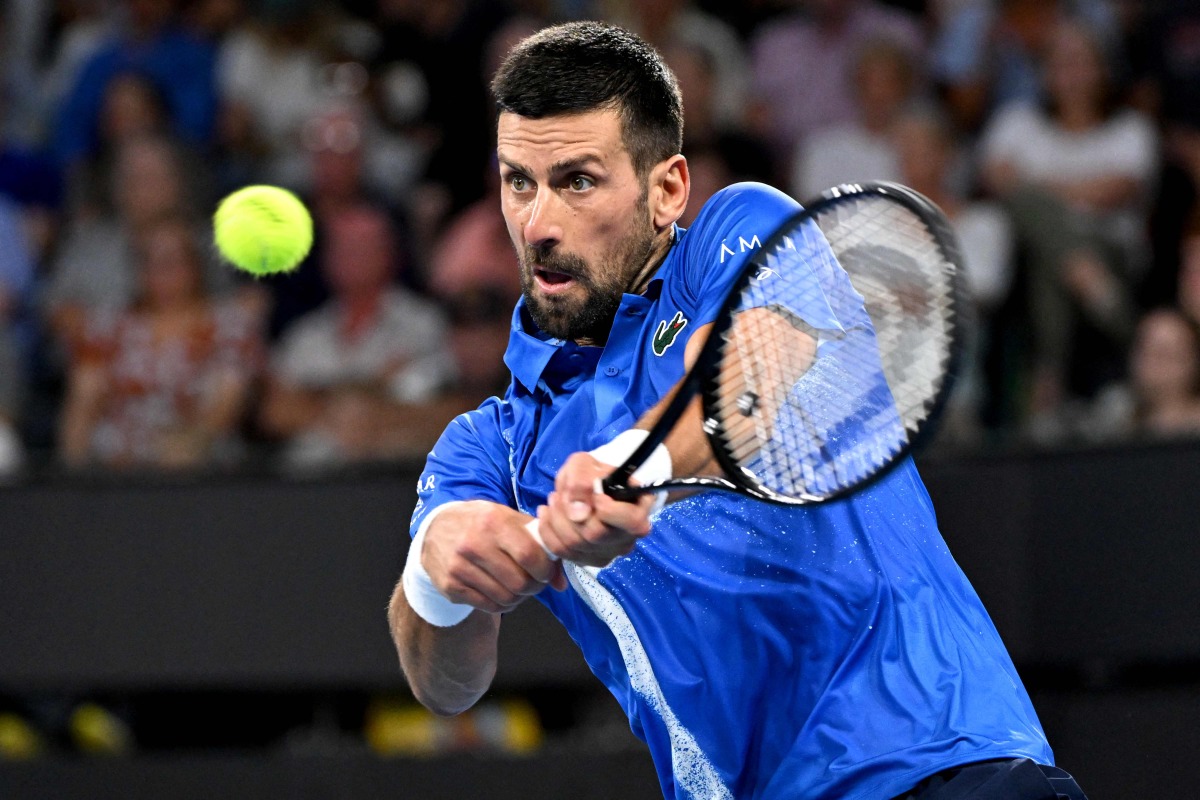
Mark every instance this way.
x=833 y=355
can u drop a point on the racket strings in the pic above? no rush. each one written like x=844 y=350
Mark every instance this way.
x=837 y=349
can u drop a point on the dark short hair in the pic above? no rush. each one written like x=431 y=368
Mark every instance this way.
x=586 y=66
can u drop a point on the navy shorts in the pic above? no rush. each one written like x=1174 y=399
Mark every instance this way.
x=1005 y=779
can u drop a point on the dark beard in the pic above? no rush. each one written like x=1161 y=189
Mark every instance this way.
x=570 y=317
x=589 y=318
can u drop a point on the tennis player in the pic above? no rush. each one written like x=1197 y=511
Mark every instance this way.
x=761 y=651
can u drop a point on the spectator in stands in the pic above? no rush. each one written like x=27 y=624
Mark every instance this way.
x=1075 y=173
x=681 y=24
x=132 y=108
x=987 y=55
x=1167 y=66
x=340 y=173
x=165 y=383
x=269 y=76
x=359 y=379
x=94 y=267
x=150 y=42
x=802 y=64
x=1161 y=397
x=884 y=81
x=475 y=275
x=30 y=181
x=718 y=146
x=929 y=161
x=18 y=276
x=442 y=48
x=16 y=332
x=44 y=46
x=1187 y=294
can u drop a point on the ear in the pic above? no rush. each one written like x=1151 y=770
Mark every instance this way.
x=670 y=186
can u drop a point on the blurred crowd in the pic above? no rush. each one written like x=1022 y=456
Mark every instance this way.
x=1061 y=138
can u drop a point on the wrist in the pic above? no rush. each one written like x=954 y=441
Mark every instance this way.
x=657 y=466
x=422 y=595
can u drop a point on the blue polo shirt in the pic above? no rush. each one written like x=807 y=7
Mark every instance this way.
x=761 y=651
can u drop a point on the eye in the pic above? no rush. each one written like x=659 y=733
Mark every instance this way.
x=518 y=183
x=581 y=182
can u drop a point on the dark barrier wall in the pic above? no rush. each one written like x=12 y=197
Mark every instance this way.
x=1083 y=558
x=1087 y=560
x=246 y=584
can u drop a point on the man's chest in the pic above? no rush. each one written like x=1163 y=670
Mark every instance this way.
x=589 y=395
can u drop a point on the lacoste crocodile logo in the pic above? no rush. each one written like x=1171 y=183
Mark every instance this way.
x=666 y=333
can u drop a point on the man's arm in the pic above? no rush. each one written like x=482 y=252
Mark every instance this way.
x=448 y=669
x=582 y=525
x=474 y=553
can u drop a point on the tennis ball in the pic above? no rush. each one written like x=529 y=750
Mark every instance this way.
x=263 y=230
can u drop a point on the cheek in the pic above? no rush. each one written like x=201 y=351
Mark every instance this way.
x=514 y=220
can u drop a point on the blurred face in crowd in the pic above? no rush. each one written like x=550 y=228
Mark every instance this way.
x=148 y=182
x=131 y=108
x=1166 y=357
x=360 y=252
x=1074 y=68
x=924 y=150
x=577 y=213
x=1189 y=277
x=883 y=81
x=171 y=270
x=335 y=142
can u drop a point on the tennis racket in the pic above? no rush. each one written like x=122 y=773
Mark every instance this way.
x=832 y=357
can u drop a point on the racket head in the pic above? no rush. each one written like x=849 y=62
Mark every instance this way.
x=831 y=430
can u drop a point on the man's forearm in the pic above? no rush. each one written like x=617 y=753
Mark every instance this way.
x=448 y=669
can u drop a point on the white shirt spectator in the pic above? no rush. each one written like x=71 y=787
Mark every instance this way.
x=406 y=350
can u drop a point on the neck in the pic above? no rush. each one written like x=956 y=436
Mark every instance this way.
x=177 y=310
x=654 y=258
x=359 y=310
x=1076 y=116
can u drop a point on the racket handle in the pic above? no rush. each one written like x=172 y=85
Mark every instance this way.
x=532 y=527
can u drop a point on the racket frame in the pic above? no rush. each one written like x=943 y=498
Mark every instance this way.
x=704 y=375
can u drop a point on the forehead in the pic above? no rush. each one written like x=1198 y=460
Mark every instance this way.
x=540 y=143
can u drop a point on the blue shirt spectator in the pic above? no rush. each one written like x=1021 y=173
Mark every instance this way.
x=179 y=65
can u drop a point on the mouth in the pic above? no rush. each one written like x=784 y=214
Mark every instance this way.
x=552 y=282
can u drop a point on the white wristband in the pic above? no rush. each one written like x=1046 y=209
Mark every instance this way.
x=657 y=466
x=423 y=597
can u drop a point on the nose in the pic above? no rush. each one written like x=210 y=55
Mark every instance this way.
x=543 y=228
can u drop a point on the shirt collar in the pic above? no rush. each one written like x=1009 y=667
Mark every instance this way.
x=529 y=350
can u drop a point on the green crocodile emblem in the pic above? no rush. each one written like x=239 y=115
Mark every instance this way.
x=667 y=332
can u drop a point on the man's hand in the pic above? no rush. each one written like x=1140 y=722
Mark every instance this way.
x=585 y=526
x=480 y=554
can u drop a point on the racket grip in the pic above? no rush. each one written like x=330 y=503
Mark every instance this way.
x=532 y=527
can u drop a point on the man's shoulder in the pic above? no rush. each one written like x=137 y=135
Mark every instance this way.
x=745 y=193
x=318 y=323
x=749 y=210
x=484 y=425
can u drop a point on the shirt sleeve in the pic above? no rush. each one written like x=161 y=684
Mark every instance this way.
x=1008 y=135
x=1135 y=151
x=469 y=462
x=733 y=224
x=731 y=228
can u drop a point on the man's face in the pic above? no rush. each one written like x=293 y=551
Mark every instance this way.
x=577 y=215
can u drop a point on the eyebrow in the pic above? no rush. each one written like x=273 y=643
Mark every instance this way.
x=558 y=168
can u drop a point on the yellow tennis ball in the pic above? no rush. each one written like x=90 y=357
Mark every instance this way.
x=263 y=229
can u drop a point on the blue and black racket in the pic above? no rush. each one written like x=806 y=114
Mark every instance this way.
x=832 y=357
